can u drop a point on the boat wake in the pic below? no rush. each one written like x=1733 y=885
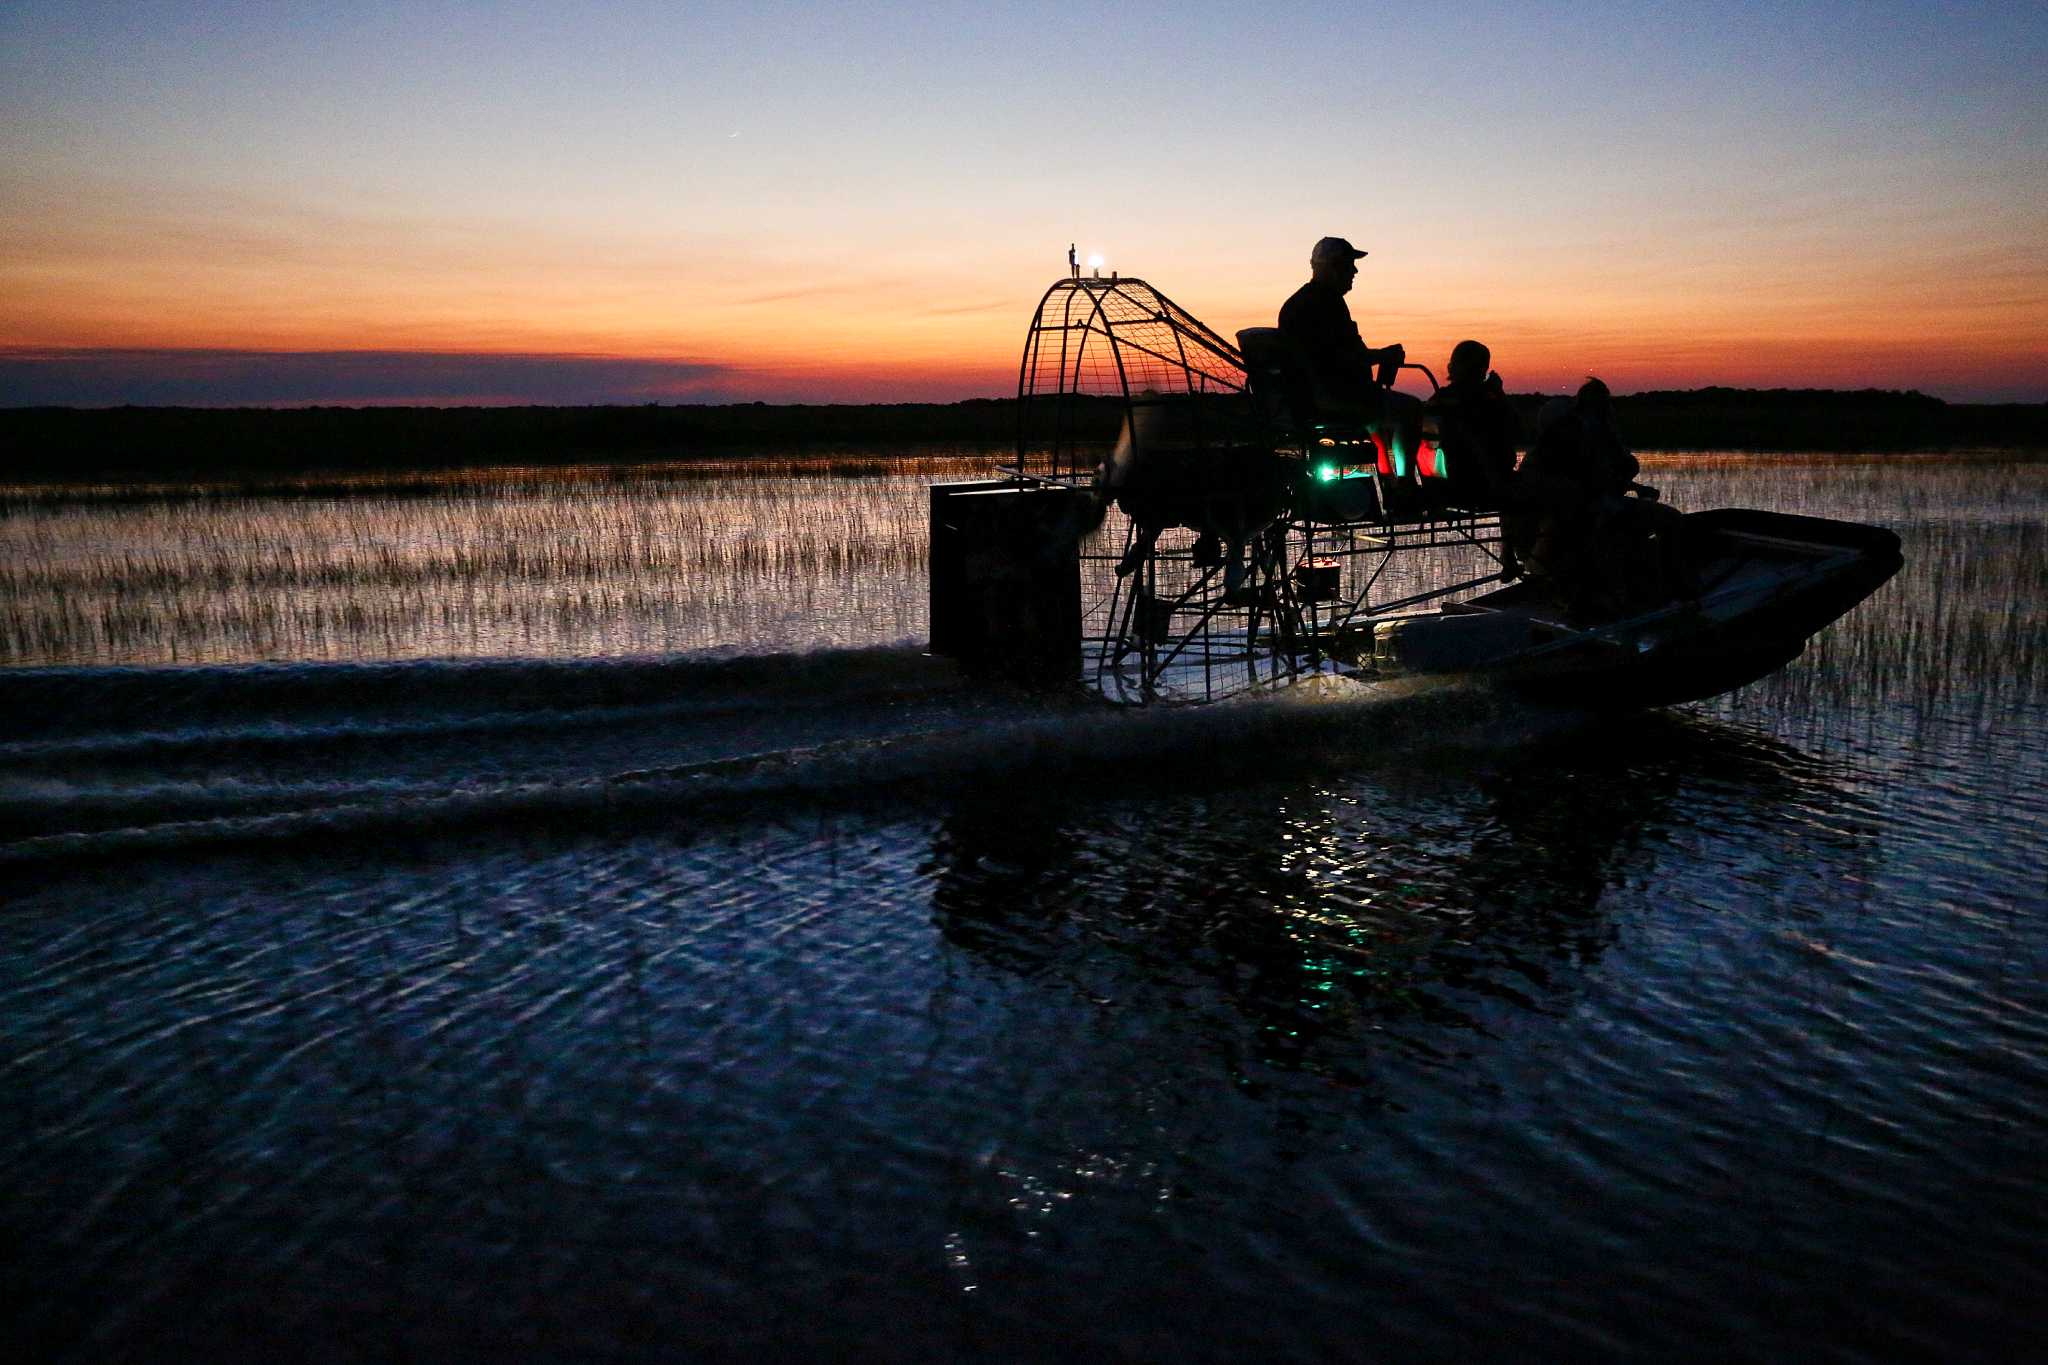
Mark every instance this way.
x=101 y=762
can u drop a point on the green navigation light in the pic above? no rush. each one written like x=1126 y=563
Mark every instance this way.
x=1326 y=472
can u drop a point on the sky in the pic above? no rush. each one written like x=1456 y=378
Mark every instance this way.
x=682 y=202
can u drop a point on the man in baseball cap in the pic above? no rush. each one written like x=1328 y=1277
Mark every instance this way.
x=1333 y=249
x=1351 y=378
x=1317 y=320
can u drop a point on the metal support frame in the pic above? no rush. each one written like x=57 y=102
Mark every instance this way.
x=1213 y=646
x=1104 y=351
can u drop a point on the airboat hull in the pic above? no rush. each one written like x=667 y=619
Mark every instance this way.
x=1770 y=582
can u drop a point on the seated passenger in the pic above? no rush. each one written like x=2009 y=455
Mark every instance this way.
x=1606 y=553
x=1478 y=431
x=1352 y=381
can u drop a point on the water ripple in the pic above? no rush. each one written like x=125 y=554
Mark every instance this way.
x=865 y=1014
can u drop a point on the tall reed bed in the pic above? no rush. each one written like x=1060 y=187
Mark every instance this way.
x=586 y=564
x=1960 y=636
x=606 y=560
x=847 y=462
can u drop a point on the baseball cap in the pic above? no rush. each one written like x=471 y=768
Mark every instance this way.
x=1333 y=249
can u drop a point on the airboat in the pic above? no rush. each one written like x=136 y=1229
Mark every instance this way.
x=1180 y=525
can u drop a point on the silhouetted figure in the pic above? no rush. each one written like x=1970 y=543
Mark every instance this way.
x=1477 y=435
x=1352 y=380
x=1607 y=553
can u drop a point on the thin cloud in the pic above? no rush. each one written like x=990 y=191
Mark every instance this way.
x=807 y=292
x=234 y=378
x=993 y=306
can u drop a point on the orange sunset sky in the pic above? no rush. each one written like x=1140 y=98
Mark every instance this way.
x=507 y=203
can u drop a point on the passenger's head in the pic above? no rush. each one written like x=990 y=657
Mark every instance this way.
x=1334 y=262
x=1469 y=362
x=1595 y=401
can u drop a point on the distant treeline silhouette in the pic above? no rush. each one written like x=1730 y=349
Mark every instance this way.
x=134 y=443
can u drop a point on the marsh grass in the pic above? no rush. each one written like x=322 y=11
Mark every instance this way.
x=764 y=555
x=1961 y=634
x=582 y=565
x=936 y=462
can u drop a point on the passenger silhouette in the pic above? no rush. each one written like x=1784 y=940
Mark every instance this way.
x=1606 y=552
x=1477 y=435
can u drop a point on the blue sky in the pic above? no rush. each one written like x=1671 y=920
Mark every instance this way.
x=855 y=201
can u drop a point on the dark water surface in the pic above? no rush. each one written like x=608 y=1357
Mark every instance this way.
x=753 y=1001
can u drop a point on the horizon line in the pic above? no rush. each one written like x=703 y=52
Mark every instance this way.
x=214 y=377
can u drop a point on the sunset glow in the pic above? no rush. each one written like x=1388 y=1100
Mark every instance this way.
x=849 y=204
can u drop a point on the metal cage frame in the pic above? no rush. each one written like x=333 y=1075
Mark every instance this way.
x=1097 y=350
x=1114 y=371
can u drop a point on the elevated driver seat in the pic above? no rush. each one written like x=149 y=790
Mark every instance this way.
x=1284 y=391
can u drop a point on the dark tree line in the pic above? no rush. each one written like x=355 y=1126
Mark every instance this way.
x=172 y=443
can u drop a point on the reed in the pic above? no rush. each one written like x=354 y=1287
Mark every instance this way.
x=1962 y=630
x=590 y=564
x=608 y=560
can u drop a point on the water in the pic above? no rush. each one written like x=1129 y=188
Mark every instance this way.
x=632 y=981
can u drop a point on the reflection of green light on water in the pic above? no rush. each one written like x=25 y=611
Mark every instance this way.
x=1326 y=472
